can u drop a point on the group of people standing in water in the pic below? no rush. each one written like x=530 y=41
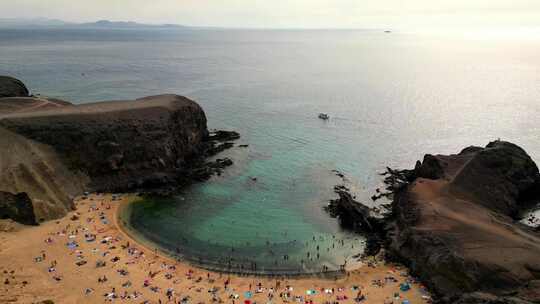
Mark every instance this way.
x=314 y=250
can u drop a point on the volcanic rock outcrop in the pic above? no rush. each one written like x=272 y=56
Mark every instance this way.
x=455 y=221
x=455 y=225
x=121 y=144
x=17 y=207
x=53 y=150
x=11 y=87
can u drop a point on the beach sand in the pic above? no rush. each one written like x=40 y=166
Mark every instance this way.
x=36 y=264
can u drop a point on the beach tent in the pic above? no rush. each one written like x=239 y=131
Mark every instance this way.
x=404 y=287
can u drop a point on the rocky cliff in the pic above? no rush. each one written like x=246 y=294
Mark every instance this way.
x=11 y=87
x=17 y=207
x=119 y=145
x=27 y=166
x=53 y=150
x=454 y=221
x=456 y=225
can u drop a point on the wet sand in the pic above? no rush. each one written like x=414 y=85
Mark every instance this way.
x=36 y=264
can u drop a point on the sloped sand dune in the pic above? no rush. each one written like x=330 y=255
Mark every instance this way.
x=35 y=168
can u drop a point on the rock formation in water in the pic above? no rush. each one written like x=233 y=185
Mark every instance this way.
x=53 y=150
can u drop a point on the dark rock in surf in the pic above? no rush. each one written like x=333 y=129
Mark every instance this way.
x=353 y=214
x=223 y=136
x=357 y=217
x=218 y=148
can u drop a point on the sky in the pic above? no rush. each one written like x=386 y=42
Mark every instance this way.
x=288 y=13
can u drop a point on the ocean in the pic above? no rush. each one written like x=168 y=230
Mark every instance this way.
x=391 y=98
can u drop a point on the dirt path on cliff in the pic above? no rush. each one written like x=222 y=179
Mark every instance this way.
x=14 y=105
x=443 y=205
x=478 y=229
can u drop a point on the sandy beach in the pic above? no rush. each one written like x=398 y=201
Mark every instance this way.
x=87 y=258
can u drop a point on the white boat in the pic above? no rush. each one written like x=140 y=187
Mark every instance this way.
x=324 y=116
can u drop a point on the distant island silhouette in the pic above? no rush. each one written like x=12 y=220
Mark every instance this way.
x=55 y=23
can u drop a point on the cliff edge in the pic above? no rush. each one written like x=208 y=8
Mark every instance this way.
x=456 y=225
x=53 y=150
x=119 y=145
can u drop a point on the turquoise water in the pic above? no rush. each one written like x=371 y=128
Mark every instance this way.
x=391 y=98
x=235 y=220
x=276 y=221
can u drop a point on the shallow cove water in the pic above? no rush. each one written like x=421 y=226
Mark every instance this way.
x=236 y=224
x=391 y=99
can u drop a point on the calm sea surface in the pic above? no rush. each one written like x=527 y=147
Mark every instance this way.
x=391 y=98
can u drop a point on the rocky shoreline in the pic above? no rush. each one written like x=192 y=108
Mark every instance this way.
x=454 y=222
x=54 y=151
